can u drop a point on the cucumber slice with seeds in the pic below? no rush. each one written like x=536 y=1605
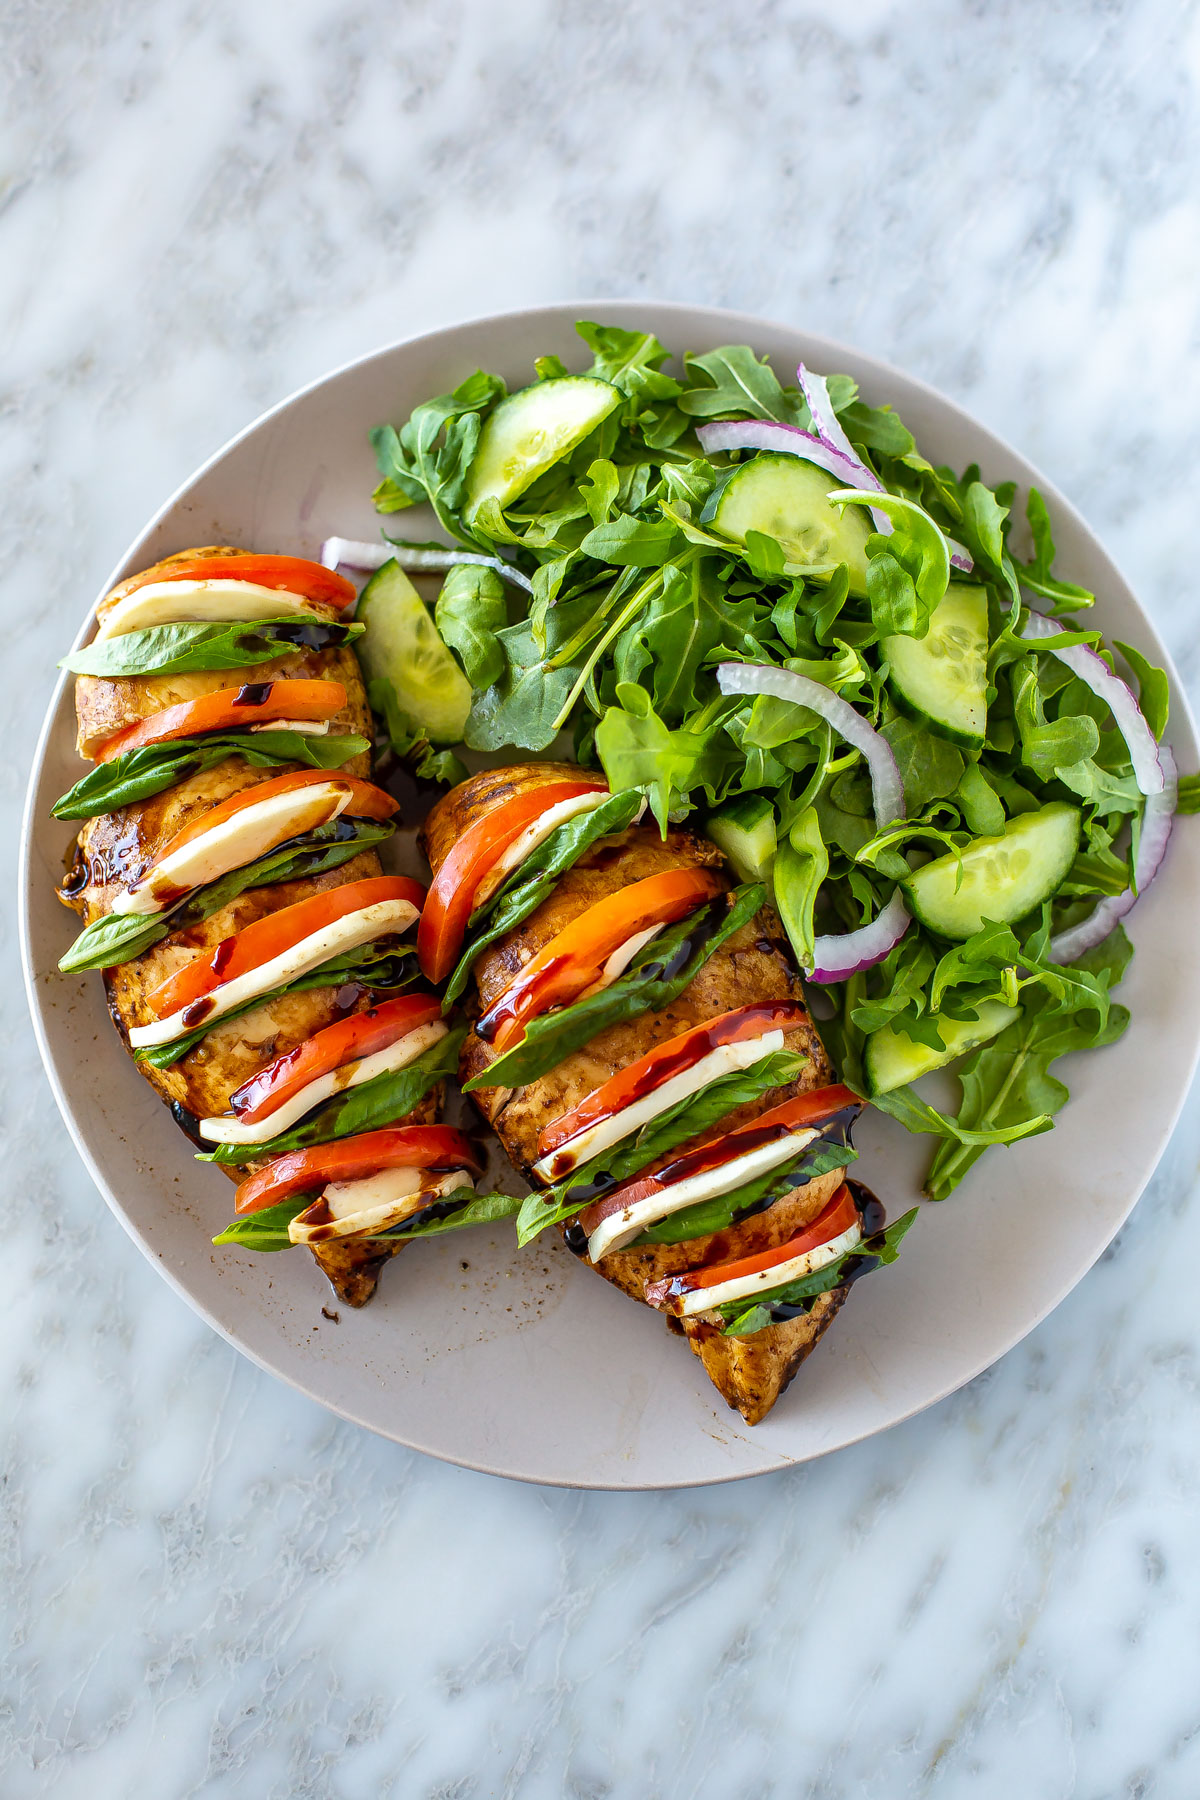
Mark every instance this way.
x=1003 y=878
x=532 y=430
x=787 y=499
x=892 y=1059
x=745 y=831
x=401 y=645
x=941 y=679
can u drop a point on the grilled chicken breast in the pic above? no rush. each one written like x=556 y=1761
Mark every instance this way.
x=754 y=964
x=116 y=849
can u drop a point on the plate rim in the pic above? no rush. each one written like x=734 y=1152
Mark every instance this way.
x=556 y=311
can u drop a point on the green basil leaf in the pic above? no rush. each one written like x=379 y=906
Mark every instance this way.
x=649 y=983
x=140 y=773
x=880 y=1249
x=268 y=1230
x=376 y=1103
x=190 y=646
x=714 y=1215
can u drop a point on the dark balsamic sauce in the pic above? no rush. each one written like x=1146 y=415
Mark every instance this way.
x=77 y=877
x=254 y=693
x=197 y=1012
x=188 y=1123
x=313 y=634
x=575 y=1238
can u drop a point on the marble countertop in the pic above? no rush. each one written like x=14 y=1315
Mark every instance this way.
x=210 y=1587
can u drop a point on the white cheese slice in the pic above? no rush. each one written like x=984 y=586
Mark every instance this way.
x=253 y=831
x=534 y=834
x=620 y=1228
x=620 y=960
x=356 y=929
x=726 y=1059
x=746 y=1287
x=376 y=1203
x=230 y=1130
x=201 y=602
x=306 y=727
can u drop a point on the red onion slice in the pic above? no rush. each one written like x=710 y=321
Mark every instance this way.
x=352 y=553
x=767 y=434
x=843 y=953
x=1157 y=820
x=1094 y=672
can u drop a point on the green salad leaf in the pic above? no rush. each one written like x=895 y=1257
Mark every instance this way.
x=140 y=773
x=186 y=647
x=267 y=1231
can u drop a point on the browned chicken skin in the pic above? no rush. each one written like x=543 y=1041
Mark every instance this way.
x=754 y=964
x=116 y=849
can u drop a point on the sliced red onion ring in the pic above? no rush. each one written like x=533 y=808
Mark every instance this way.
x=1094 y=672
x=1152 y=847
x=352 y=553
x=767 y=434
x=844 y=953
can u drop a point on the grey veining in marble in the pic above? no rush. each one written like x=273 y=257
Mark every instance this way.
x=210 y=1587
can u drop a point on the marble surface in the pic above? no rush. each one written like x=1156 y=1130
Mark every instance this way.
x=209 y=1586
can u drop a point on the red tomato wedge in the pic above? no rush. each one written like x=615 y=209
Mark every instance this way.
x=453 y=889
x=668 y=1060
x=229 y=709
x=294 y=574
x=439 y=1147
x=574 y=960
x=348 y=1041
x=840 y=1214
x=803 y=1112
x=268 y=938
x=366 y=802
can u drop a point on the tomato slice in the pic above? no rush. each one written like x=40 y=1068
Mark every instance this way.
x=229 y=709
x=271 y=936
x=439 y=1147
x=294 y=574
x=840 y=1214
x=801 y=1113
x=366 y=802
x=453 y=889
x=348 y=1041
x=668 y=1060
x=574 y=960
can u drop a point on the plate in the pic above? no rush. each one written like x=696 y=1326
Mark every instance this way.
x=524 y=1364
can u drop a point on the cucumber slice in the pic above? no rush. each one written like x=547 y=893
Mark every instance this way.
x=401 y=645
x=745 y=831
x=941 y=679
x=530 y=431
x=1003 y=878
x=786 y=499
x=892 y=1059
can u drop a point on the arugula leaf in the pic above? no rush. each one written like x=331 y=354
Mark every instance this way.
x=688 y=1118
x=930 y=768
x=736 y=383
x=534 y=879
x=119 y=937
x=708 y=1216
x=376 y=1103
x=1189 y=794
x=140 y=773
x=521 y=708
x=801 y=865
x=1048 y=747
x=882 y=1248
x=471 y=609
x=1038 y=574
x=636 y=749
x=1154 y=690
x=374 y=966
x=429 y=457
x=186 y=647
x=909 y=571
x=632 y=543
x=656 y=976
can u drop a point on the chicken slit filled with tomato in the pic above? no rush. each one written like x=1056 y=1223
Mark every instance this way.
x=641 y=1045
x=258 y=962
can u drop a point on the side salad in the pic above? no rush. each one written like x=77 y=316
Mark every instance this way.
x=762 y=607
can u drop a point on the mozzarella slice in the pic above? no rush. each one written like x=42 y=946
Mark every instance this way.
x=306 y=727
x=534 y=834
x=230 y=1130
x=251 y=832
x=207 y=602
x=375 y=1203
x=746 y=1287
x=620 y=1228
x=724 y=1060
x=620 y=960
x=350 y=933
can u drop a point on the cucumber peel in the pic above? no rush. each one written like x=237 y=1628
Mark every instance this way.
x=892 y=1059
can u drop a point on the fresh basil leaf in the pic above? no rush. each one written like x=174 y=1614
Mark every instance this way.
x=878 y=1250
x=688 y=1118
x=476 y=1209
x=189 y=646
x=376 y=1103
x=140 y=773
x=119 y=937
x=534 y=880
x=708 y=1216
x=655 y=977
x=266 y=1230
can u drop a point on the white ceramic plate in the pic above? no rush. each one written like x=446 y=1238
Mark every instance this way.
x=525 y=1364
